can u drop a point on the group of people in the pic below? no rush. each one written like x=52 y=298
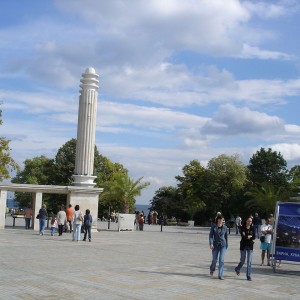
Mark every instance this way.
x=72 y=218
x=139 y=220
x=218 y=242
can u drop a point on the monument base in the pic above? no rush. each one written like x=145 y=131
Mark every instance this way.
x=84 y=180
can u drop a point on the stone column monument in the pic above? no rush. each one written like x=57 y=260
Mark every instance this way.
x=83 y=191
x=86 y=130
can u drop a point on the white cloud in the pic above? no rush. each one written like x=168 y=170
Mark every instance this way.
x=255 y=52
x=231 y=120
x=290 y=152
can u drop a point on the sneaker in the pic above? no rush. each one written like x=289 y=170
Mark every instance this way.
x=221 y=278
x=249 y=278
x=84 y=240
x=237 y=272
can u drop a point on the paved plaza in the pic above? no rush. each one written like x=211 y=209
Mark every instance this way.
x=149 y=264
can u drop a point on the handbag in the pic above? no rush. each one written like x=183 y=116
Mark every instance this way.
x=262 y=238
x=38 y=216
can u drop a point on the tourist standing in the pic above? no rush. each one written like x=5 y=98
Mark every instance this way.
x=256 y=223
x=28 y=216
x=69 y=214
x=246 y=247
x=238 y=224
x=43 y=216
x=87 y=222
x=61 y=219
x=218 y=244
x=266 y=236
x=77 y=223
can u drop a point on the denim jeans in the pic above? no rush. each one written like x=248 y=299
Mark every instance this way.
x=87 y=231
x=256 y=230
x=27 y=223
x=76 y=232
x=42 y=225
x=245 y=252
x=52 y=230
x=218 y=251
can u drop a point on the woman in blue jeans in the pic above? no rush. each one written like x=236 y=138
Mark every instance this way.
x=218 y=243
x=77 y=223
x=246 y=247
x=43 y=216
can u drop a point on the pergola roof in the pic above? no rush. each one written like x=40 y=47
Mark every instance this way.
x=49 y=189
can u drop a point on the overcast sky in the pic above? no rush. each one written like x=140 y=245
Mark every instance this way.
x=179 y=80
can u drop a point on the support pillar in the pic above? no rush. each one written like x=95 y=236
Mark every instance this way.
x=3 y=197
x=86 y=201
x=37 y=204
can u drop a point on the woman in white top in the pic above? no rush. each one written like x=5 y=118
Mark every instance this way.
x=77 y=223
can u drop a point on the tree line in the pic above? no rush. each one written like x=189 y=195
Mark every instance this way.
x=229 y=186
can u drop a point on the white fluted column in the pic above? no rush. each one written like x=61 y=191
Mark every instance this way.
x=86 y=130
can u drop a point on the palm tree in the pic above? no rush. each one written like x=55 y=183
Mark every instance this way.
x=265 y=197
x=121 y=190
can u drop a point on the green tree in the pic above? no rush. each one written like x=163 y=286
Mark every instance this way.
x=64 y=163
x=37 y=170
x=263 y=198
x=120 y=192
x=294 y=176
x=268 y=166
x=105 y=169
x=166 y=201
x=227 y=176
x=192 y=187
x=7 y=163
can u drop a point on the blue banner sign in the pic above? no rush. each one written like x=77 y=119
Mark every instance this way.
x=287 y=245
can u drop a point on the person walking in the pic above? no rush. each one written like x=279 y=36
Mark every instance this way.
x=53 y=225
x=87 y=222
x=77 y=223
x=70 y=213
x=246 y=247
x=218 y=244
x=61 y=219
x=28 y=216
x=42 y=216
x=266 y=236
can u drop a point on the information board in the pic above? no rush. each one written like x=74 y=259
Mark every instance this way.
x=286 y=233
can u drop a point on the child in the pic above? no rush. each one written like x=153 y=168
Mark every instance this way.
x=87 y=223
x=53 y=225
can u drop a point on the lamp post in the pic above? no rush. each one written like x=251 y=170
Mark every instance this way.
x=108 y=223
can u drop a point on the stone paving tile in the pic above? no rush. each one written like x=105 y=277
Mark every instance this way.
x=173 y=264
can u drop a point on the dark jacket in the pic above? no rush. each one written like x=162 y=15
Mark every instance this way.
x=87 y=220
x=218 y=238
x=43 y=214
x=245 y=242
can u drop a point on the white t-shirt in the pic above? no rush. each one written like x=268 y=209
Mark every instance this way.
x=268 y=236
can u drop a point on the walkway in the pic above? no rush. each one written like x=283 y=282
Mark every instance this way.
x=173 y=264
